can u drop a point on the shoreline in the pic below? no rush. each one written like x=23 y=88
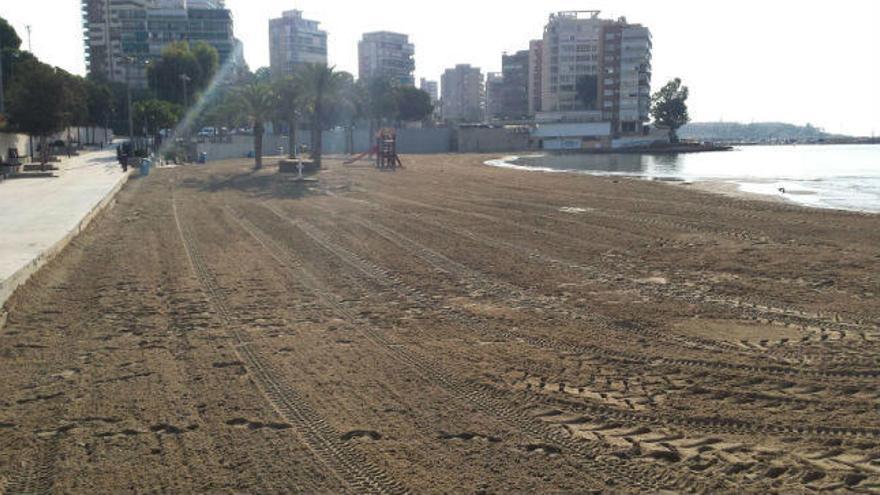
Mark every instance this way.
x=733 y=190
x=730 y=188
x=722 y=187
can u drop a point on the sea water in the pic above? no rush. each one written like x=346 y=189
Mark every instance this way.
x=824 y=176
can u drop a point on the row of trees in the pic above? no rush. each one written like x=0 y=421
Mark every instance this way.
x=317 y=96
x=42 y=100
x=177 y=79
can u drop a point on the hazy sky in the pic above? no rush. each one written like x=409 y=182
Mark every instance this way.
x=746 y=60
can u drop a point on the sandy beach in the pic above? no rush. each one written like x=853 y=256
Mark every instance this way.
x=448 y=328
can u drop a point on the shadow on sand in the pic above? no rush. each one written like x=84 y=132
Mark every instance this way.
x=256 y=184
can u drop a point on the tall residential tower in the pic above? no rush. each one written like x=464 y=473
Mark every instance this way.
x=462 y=89
x=582 y=54
x=122 y=36
x=294 y=41
x=388 y=55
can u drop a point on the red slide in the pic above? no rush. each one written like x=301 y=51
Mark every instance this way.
x=372 y=151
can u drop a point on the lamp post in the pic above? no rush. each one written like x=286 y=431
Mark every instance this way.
x=128 y=61
x=185 y=79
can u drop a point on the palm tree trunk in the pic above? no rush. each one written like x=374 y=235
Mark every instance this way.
x=44 y=153
x=318 y=128
x=319 y=138
x=258 y=147
x=291 y=138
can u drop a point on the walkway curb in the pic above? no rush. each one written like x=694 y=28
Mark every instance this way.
x=17 y=279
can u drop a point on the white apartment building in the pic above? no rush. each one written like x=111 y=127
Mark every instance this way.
x=389 y=55
x=294 y=41
x=462 y=90
x=613 y=55
x=571 y=50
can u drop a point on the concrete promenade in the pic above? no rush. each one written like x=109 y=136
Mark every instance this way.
x=39 y=216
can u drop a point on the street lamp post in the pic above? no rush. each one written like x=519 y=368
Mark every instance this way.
x=185 y=79
x=128 y=61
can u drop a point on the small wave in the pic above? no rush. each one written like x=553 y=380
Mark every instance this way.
x=507 y=162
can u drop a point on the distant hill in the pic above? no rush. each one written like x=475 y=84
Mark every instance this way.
x=756 y=132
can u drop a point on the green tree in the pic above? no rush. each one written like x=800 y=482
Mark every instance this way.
x=9 y=47
x=587 y=88
x=352 y=108
x=412 y=104
x=100 y=104
x=223 y=110
x=199 y=65
x=380 y=104
x=289 y=94
x=669 y=107
x=36 y=102
x=257 y=102
x=156 y=115
x=209 y=62
x=263 y=75
x=75 y=102
x=321 y=87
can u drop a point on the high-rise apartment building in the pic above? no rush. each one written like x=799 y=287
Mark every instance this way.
x=515 y=88
x=294 y=41
x=625 y=76
x=536 y=74
x=494 y=95
x=431 y=88
x=571 y=51
x=388 y=55
x=122 y=36
x=507 y=92
x=612 y=56
x=462 y=90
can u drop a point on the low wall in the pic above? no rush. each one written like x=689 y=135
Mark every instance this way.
x=84 y=135
x=416 y=141
x=19 y=141
x=483 y=140
x=409 y=141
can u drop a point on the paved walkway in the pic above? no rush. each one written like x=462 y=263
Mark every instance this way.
x=39 y=216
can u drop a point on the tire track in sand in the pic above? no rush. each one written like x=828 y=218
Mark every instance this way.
x=714 y=425
x=346 y=463
x=490 y=401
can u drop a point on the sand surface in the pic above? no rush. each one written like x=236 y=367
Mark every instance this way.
x=449 y=328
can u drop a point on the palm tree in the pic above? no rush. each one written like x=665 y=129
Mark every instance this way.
x=290 y=102
x=322 y=86
x=257 y=101
x=350 y=108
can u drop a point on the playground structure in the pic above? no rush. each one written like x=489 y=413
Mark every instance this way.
x=385 y=151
